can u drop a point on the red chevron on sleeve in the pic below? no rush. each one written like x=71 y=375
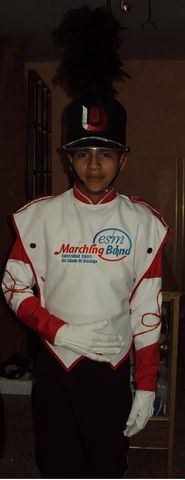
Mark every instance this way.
x=155 y=269
x=18 y=252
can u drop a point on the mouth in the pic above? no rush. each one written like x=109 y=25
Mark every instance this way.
x=95 y=178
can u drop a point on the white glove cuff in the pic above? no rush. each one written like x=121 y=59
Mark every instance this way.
x=59 y=335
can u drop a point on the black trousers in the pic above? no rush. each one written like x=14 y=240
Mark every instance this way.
x=79 y=419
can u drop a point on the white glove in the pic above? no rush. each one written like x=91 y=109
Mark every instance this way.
x=141 y=411
x=86 y=339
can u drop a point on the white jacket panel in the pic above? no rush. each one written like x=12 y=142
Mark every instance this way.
x=89 y=259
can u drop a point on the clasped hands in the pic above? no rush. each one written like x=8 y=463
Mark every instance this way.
x=88 y=340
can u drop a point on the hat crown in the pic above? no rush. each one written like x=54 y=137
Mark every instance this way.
x=107 y=122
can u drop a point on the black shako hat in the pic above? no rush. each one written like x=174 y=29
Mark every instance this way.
x=95 y=126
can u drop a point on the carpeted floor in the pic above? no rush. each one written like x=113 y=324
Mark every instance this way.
x=18 y=460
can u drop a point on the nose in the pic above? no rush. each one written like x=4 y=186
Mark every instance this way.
x=94 y=161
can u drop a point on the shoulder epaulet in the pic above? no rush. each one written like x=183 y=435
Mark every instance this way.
x=141 y=201
x=35 y=200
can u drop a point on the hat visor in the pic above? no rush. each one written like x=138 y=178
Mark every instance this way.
x=95 y=142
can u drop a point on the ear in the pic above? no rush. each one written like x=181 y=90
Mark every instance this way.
x=123 y=161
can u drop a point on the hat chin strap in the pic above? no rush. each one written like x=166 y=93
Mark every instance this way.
x=77 y=177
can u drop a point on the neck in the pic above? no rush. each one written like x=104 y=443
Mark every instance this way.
x=101 y=197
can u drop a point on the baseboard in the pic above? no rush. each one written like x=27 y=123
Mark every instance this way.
x=19 y=386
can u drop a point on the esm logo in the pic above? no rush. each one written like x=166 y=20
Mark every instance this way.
x=116 y=244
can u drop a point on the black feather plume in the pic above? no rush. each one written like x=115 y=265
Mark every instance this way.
x=90 y=62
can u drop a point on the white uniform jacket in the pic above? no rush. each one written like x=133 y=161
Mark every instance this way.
x=89 y=262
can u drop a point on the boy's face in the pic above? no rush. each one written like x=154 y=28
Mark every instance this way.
x=97 y=168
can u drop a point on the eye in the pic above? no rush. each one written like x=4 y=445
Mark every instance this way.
x=106 y=154
x=81 y=154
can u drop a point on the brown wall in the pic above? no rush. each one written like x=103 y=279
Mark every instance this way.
x=12 y=171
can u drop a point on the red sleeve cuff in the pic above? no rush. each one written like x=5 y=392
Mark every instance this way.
x=32 y=314
x=147 y=367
